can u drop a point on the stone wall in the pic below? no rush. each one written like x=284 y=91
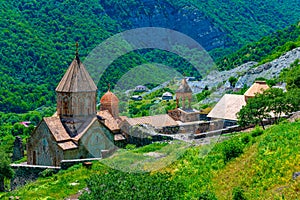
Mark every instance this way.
x=41 y=150
x=65 y=164
x=28 y=173
x=18 y=150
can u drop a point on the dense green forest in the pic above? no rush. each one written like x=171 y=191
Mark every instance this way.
x=38 y=37
x=37 y=46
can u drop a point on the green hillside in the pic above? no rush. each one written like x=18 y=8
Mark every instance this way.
x=38 y=37
x=37 y=45
x=254 y=165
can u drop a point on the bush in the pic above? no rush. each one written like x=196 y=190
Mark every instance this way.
x=232 y=149
x=246 y=139
x=130 y=146
x=151 y=147
x=238 y=194
x=207 y=195
x=133 y=186
x=46 y=173
x=257 y=132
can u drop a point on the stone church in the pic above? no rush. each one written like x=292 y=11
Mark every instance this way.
x=76 y=130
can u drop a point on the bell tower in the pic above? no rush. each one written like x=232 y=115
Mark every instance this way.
x=182 y=93
x=76 y=92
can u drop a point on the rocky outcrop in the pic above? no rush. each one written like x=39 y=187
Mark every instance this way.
x=295 y=116
x=269 y=70
x=246 y=74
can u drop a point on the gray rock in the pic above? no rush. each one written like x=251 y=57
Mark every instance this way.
x=246 y=74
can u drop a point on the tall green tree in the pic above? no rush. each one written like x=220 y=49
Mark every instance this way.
x=232 y=80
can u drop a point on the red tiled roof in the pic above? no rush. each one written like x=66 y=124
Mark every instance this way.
x=57 y=129
x=67 y=145
x=109 y=121
x=228 y=106
x=109 y=98
x=257 y=87
x=156 y=121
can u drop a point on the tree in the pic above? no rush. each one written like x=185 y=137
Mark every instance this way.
x=273 y=101
x=232 y=80
x=277 y=102
x=292 y=75
x=293 y=100
x=5 y=170
x=255 y=111
x=238 y=194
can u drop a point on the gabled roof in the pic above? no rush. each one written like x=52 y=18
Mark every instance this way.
x=109 y=121
x=67 y=145
x=257 y=87
x=184 y=87
x=228 y=106
x=168 y=94
x=85 y=127
x=57 y=129
x=157 y=121
x=60 y=134
x=76 y=79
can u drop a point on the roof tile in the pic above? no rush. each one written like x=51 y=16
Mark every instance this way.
x=76 y=79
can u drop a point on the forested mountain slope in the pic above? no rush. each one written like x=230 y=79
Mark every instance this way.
x=37 y=45
x=214 y=24
x=38 y=37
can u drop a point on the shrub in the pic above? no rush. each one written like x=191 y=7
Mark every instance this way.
x=130 y=146
x=207 y=195
x=246 y=139
x=238 y=194
x=151 y=147
x=257 y=132
x=133 y=186
x=46 y=173
x=232 y=149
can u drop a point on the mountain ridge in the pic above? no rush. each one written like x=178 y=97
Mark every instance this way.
x=38 y=39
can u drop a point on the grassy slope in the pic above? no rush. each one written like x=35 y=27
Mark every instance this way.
x=264 y=170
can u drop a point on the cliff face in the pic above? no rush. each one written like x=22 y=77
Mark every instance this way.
x=186 y=19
